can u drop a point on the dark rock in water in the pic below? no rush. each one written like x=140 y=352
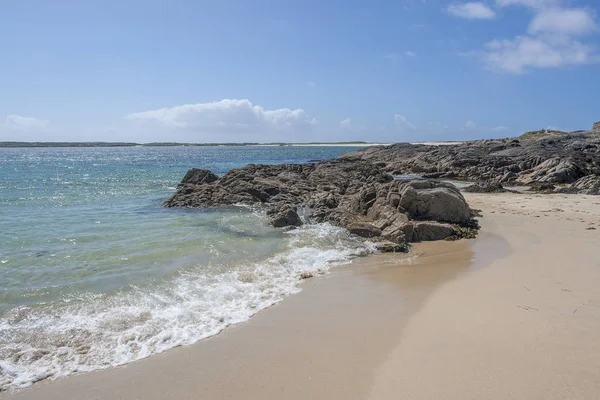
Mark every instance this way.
x=547 y=156
x=197 y=176
x=306 y=275
x=349 y=192
x=284 y=216
x=485 y=187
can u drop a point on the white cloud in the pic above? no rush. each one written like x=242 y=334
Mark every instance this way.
x=346 y=123
x=402 y=121
x=550 y=41
x=524 y=52
x=470 y=125
x=227 y=116
x=501 y=128
x=410 y=54
x=528 y=3
x=473 y=10
x=25 y=124
x=575 y=21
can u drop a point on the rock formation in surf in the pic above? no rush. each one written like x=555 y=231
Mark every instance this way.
x=350 y=192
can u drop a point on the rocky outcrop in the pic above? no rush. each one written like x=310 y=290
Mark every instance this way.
x=350 y=192
x=587 y=185
x=555 y=157
x=596 y=126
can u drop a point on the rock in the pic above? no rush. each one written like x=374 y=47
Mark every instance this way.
x=198 y=176
x=542 y=187
x=349 y=192
x=363 y=200
x=557 y=170
x=427 y=231
x=390 y=247
x=398 y=230
x=397 y=234
x=364 y=229
x=461 y=232
x=588 y=185
x=546 y=156
x=285 y=216
x=431 y=200
x=306 y=275
x=596 y=126
x=510 y=176
x=485 y=187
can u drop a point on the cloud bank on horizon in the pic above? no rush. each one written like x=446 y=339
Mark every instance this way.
x=467 y=70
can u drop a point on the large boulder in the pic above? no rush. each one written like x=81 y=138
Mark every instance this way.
x=428 y=230
x=431 y=200
x=596 y=126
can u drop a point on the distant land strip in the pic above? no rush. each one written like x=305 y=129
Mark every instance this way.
x=171 y=144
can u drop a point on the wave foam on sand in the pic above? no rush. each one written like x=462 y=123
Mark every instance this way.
x=96 y=331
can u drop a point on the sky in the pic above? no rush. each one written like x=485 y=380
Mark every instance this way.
x=296 y=71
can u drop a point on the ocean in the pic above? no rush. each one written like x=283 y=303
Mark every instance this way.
x=95 y=273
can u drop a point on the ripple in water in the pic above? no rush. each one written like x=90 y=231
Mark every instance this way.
x=95 y=273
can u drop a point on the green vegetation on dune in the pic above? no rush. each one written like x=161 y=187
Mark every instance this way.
x=541 y=133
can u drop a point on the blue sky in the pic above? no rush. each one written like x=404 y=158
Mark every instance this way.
x=221 y=71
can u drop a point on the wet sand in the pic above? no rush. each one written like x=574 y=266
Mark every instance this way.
x=325 y=342
x=514 y=314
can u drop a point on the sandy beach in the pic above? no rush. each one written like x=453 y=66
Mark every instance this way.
x=514 y=314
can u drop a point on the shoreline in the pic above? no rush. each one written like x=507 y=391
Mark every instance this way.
x=21 y=145
x=440 y=325
x=330 y=313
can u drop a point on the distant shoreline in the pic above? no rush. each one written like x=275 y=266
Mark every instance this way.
x=161 y=144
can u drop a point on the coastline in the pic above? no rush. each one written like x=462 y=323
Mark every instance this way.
x=13 y=145
x=301 y=346
x=511 y=314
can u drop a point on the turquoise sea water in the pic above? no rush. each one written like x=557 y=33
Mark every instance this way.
x=95 y=273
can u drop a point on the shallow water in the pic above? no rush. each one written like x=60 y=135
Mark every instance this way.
x=95 y=273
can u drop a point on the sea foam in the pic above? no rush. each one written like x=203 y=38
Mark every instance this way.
x=94 y=331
